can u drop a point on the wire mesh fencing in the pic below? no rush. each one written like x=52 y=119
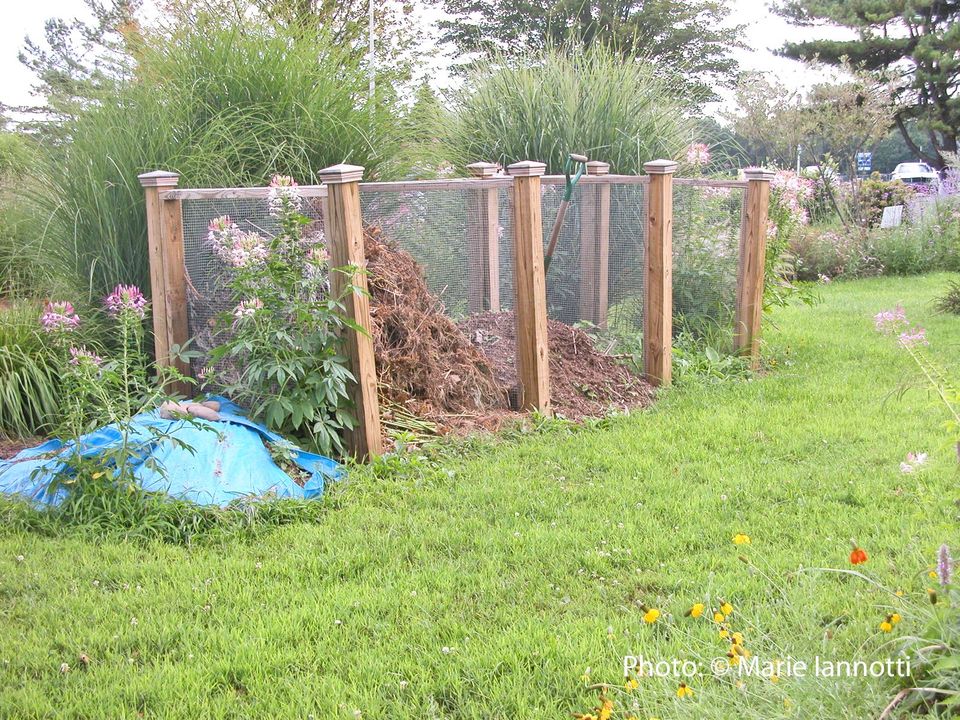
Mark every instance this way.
x=209 y=298
x=707 y=220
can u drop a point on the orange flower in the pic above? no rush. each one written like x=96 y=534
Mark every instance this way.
x=857 y=556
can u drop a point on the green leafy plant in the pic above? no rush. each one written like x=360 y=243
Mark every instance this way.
x=281 y=356
x=29 y=387
x=876 y=194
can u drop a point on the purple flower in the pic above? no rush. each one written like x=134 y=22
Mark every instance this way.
x=126 y=298
x=944 y=565
x=59 y=317
x=888 y=321
x=81 y=357
x=913 y=338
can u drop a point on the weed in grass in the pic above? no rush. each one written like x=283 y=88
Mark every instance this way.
x=949 y=301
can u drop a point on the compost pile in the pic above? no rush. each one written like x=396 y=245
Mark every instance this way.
x=463 y=376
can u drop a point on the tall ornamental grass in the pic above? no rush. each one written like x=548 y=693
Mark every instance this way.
x=223 y=107
x=548 y=105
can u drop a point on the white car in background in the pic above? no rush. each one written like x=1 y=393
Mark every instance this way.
x=914 y=173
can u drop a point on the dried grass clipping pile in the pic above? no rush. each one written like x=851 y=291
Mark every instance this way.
x=424 y=360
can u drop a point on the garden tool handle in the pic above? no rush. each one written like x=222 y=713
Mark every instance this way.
x=555 y=234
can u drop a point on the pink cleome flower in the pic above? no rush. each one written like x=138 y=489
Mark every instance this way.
x=284 y=195
x=126 y=298
x=247 y=308
x=698 y=154
x=59 y=317
x=889 y=321
x=913 y=338
x=81 y=357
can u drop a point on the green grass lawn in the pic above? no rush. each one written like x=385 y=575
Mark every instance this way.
x=486 y=586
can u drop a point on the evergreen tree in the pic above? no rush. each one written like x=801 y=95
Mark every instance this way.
x=913 y=44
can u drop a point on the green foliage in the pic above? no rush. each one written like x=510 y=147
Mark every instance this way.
x=281 y=353
x=690 y=39
x=223 y=107
x=949 y=301
x=706 y=357
x=29 y=378
x=22 y=260
x=916 y=43
x=876 y=194
x=543 y=107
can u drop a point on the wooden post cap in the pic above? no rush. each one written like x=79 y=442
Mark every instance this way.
x=527 y=168
x=761 y=174
x=595 y=167
x=660 y=167
x=483 y=169
x=159 y=178
x=339 y=174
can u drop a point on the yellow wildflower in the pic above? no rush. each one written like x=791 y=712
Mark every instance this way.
x=684 y=691
x=718 y=617
x=932 y=574
x=724 y=633
x=895 y=618
x=737 y=638
x=650 y=617
x=726 y=608
x=631 y=684
x=774 y=678
x=886 y=627
x=697 y=610
x=606 y=709
x=741 y=539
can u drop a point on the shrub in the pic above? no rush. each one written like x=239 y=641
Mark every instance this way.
x=876 y=194
x=550 y=104
x=221 y=106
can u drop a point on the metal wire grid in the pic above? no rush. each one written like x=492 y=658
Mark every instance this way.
x=706 y=250
x=208 y=296
x=596 y=276
x=445 y=232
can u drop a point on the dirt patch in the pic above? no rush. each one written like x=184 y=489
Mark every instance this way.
x=10 y=447
x=463 y=376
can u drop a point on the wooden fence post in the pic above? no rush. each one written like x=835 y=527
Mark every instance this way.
x=168 y=284
x=483 y=243
x=344 y=230
x=753 y=244
x=595 y=246
x=533 y=355
x=658 y=308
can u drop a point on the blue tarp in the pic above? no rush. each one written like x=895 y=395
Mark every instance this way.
x=229 y=461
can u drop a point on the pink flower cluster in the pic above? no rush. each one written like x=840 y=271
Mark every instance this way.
x=247 y=308
x=59 y=317
x=698 y=154
x=793 y=191
x=890 y=321
x=126 y=298
x=284 y=195
x=81 y=357
x=234 y=246
x=913 y=463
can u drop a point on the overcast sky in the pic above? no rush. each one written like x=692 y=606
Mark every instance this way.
x=765 y=32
